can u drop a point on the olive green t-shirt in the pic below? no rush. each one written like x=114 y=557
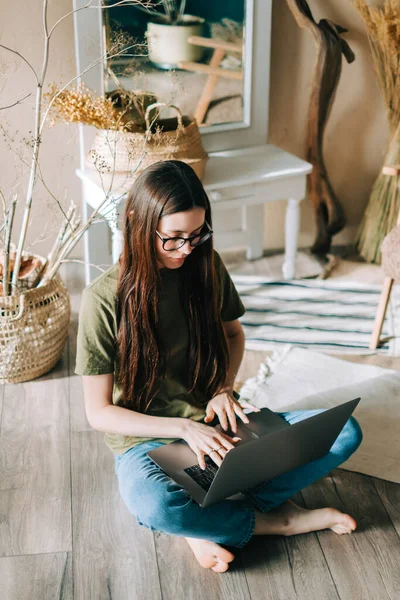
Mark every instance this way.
x=97 y=333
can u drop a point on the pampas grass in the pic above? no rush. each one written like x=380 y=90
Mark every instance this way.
x=383 y=30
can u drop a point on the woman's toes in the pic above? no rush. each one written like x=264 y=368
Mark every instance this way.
x=340 y=529
x=210 y=555
x=344 y=524
x=222 y=554
x=220 y=567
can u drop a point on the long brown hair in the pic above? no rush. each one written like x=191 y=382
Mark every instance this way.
x=165 y=188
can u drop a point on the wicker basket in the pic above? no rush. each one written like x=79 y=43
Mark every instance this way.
x=33 y=331
x=175 y=138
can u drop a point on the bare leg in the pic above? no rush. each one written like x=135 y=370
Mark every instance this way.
x=287 y=519
x=291 y=519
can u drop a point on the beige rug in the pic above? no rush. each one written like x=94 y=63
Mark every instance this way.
x=294 y=378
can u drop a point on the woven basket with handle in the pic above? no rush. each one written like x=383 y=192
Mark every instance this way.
x=175 y=138
x=33 y=330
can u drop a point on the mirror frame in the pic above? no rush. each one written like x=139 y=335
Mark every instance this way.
x=252 y=131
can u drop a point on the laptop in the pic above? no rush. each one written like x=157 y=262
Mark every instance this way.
x=269 y=447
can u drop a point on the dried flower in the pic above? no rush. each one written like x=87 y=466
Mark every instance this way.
x=119 y=111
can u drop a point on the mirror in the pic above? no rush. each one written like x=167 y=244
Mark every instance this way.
x=186 y=53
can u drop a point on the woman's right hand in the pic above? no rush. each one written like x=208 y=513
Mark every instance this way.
x=202 y=439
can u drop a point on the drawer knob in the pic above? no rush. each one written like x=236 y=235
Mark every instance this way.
x=215 y=196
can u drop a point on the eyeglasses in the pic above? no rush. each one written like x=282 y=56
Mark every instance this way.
x=175 y=243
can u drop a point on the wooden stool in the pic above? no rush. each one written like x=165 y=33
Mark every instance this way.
x=213 y=70
x=390 y=247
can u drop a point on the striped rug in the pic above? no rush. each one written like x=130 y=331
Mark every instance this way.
x=331 y=316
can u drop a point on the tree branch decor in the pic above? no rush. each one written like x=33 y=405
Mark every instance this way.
x=34 y=301
x=76 y=101
x=326 y=74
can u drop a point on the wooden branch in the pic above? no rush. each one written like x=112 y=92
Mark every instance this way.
x=9 y=220
x=22 y=58
x=82 y=262
x=15 y=103
x=35 y=152
x=58 y=242
x=326 y=74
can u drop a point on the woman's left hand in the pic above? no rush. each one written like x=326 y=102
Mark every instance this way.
x=226 y=407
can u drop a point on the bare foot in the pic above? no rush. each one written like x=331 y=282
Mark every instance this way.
x=210 y=555
x=291 y=519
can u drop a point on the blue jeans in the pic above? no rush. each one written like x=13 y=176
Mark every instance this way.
x=160 y=504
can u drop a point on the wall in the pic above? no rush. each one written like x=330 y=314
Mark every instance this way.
x=355 y=141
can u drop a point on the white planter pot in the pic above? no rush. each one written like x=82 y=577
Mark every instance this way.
x=168 y=43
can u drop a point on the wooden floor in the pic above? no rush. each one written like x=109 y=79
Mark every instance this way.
x=65 y=533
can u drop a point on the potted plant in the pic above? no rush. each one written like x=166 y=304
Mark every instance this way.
x=168 y=32
x=34 y=301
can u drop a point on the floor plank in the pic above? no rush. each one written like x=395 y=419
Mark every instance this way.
x=36 y=576
x=113 y=556
x=291 y=568
x=35 y=496
x=365 y=563
x=268 y=570
x=195 y=582
x=389 y=493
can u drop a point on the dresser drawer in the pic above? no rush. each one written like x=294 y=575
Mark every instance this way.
x=231 y=193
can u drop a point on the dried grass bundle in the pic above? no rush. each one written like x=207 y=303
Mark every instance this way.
x=383 y=30
x=117 y=111
x=80 y=105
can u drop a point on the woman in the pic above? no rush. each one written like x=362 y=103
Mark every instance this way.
x=159 y=345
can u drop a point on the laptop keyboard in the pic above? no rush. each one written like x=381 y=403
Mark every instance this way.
x=203 y=478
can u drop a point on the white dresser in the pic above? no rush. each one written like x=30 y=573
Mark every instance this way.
x=243 y=179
